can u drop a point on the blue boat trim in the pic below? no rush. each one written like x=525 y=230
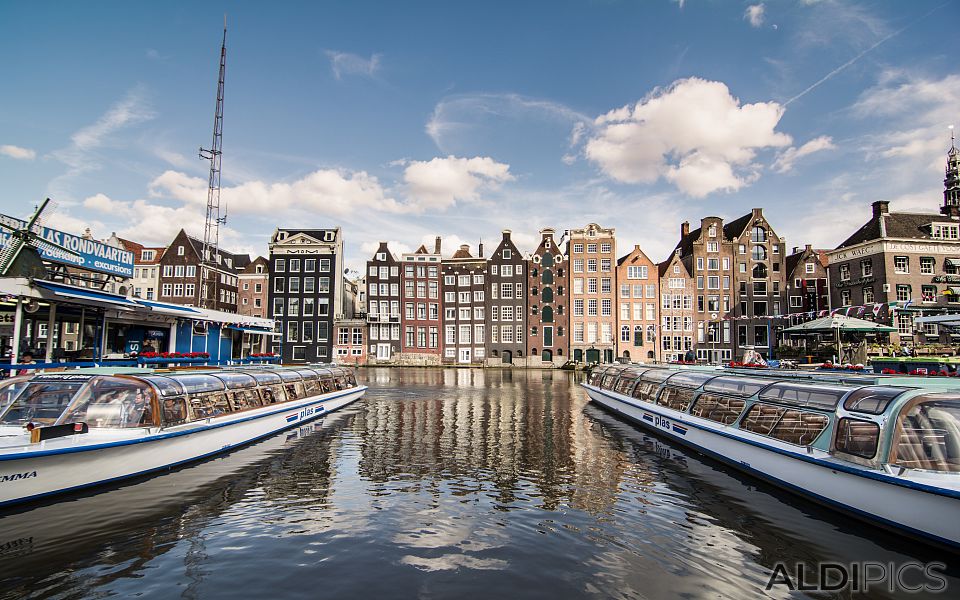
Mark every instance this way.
x=172 y=465
x=931 y=489
x=163 y=436
x=789 y=486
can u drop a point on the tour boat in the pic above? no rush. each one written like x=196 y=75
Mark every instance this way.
x=70 y=430
x=884 y=450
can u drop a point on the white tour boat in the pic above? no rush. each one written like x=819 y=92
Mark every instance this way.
x=885 y=450
x=65 y=431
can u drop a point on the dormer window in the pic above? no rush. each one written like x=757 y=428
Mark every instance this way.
x=147 y=255
x=945 y=231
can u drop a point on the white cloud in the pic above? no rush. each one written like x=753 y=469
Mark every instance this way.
x=440 y=182
x=345 y=63
x=17 y=152
x=693 y=133
x=788 y=157
x=755 y=14
x=917 y=111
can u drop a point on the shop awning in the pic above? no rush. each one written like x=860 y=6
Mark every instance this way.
x=76 y=293
x=163 y=306
x=253 y=330
x=953 y=262
x=952 y=291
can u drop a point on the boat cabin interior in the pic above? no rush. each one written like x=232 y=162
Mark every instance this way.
x=864 y=422
x=159 y=398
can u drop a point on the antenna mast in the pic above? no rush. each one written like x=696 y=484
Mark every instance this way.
x=211 y=226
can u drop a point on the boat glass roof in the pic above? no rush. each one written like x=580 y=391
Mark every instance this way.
x=690 y=379
x=236 y=379
x=197 y=383
x=165 y=385
x=823 y=397
x=736 y=386
x=657 y=375
x=872 y=400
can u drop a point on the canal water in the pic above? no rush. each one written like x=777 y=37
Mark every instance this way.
x=442 y=483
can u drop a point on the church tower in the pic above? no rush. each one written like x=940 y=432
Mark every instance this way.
x=951 y=183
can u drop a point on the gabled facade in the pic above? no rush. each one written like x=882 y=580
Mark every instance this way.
x=464 y=307
x=145 y=282
x=547 y=308
x=181 y=278
x=807 y=289
x=254 y=294
x=638 y=298
x=306 y=282
x=677 y=314
x=506 y=307
x=591 y=252
x=383 y=305
x=422 y=305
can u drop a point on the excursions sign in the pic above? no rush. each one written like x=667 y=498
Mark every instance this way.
x=90 y=254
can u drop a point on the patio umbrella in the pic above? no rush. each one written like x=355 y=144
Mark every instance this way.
x=837 y=324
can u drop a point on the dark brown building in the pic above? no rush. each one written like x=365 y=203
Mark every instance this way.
x=807 y=289
x=506 y=306
x=547 y=318
x=180 y=276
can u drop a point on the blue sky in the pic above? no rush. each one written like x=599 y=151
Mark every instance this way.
x=402 y=121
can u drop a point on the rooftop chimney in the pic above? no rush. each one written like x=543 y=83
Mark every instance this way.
x=636 y=246
x=808 y=247
x=684 y=228
x=881 y=207
x=436 y=245
x=796 y=249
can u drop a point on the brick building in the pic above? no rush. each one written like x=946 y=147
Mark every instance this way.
x=145 y=282
x=180 y=275
x=464 y=307
x=637 y=316
x=677 y=314
x=383 y=305
x=506 y=308
x=422 y=306
x=305 y=292
x=591 y=252
x=547 y=309
x=807 y=289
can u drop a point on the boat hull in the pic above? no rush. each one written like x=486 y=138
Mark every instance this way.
x=923 y=511
x=55 y=469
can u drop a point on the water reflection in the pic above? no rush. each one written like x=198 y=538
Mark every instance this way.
x=442 y=482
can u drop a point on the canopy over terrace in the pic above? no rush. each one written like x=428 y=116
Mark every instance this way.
x=837 y=325
x=82 y=323
x=949 y=322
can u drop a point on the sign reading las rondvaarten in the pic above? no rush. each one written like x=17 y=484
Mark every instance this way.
x=90 y=254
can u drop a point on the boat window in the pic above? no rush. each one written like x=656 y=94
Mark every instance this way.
x=799 y=427
x=625 y=382
x=265 y=377
x=112 y=402
x=307 y=374
x=311 y=386
x=9 y=388
x=198 y=383
x=718 y=408
x=173 y=410
x=235 y=380
x=288 y=376
x=785 y=424
x=244 y=399
x=164 y=385
x=824 y=397
x=761 y=418
x=326 y=383
x=41 y=401
x=929 y=435
x=646 y=391
x=872 y=400
x=272 y=394
x=675 y=398
x=736 y=386
x=657 y=375
x=209 y=404
x=294 y=391
x=690 y=379
x=596 y=375
x=352 y=379
x=859 y=438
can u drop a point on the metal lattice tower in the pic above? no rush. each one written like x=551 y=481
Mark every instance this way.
x=211 y=226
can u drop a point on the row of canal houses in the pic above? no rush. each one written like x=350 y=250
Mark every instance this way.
x=723 y=290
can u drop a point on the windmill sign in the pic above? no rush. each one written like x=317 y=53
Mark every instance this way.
x=67 y=249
